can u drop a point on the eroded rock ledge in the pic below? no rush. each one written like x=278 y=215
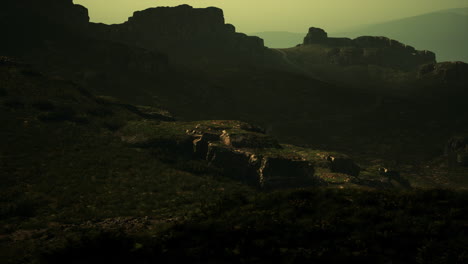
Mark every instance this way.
x=244 y=152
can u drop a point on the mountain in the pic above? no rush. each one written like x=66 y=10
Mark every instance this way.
x=444 y=32
x=280 y=39
x=187 y=34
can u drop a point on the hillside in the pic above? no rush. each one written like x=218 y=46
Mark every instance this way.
x=443 y=32
x=348 y=88
x=83 y=176
x=172 y=138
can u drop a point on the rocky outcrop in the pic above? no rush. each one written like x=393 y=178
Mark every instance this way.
x=55 y=35
x=185 y=34
x=242 y=151
x=451 y=73
x=316 y=36
x=369 y=50
x=263 y=170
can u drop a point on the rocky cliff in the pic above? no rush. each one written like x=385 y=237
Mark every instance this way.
x=365 y=50
x=56 y=36
x=26 y=23
x=188 y=35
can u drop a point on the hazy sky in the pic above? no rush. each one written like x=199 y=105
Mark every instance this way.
x=281 y=15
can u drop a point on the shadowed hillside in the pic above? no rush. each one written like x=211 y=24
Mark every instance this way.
x=172 y=138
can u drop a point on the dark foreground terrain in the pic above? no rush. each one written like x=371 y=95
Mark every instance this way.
x=189 y=142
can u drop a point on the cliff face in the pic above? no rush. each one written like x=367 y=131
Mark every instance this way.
x=190 y=36
x=186 y=34
x=363 y=50
x=42 y=19
x=56 y=36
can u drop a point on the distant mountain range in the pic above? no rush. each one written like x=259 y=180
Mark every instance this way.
x=444 y=32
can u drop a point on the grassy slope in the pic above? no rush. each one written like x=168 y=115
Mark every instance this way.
x=62 y=164
x=72 y=191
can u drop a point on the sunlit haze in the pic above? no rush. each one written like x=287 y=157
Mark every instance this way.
x=280 y=15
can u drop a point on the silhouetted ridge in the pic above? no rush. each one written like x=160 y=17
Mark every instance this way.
x=369 y=50
x=185 y=34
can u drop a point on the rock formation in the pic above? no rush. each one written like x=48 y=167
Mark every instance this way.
x=451 y=73
x=243 y=152
x=316 y=36
x=56 y=36
x=369 y=50
x=186 y=34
